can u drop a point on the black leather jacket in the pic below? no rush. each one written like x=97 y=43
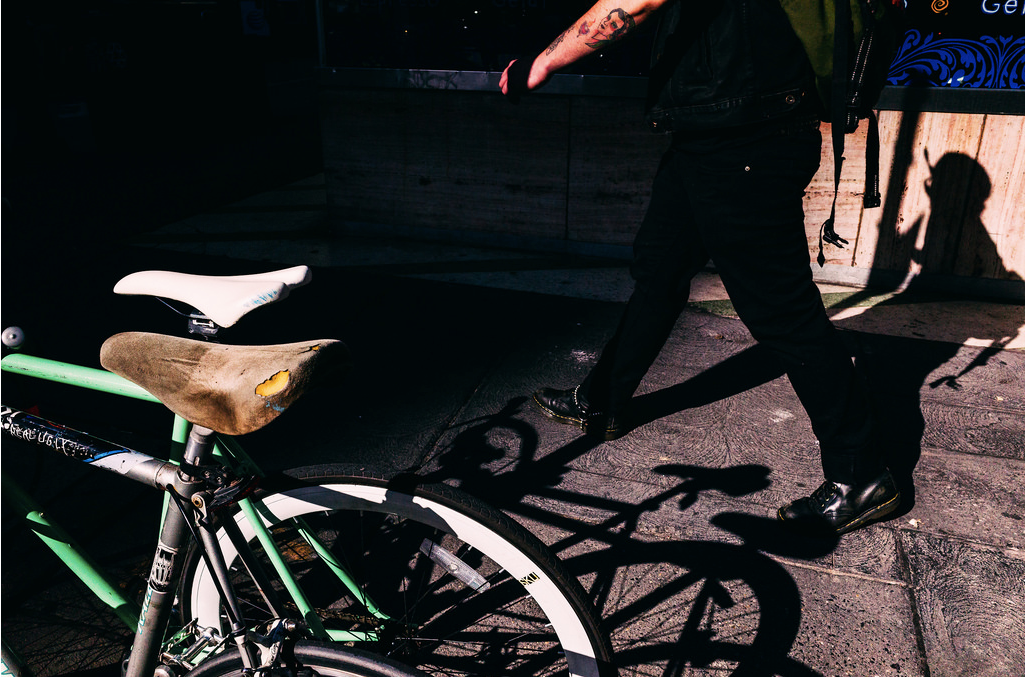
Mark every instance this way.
x=725 y=63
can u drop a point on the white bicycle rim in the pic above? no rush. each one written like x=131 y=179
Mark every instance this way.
x=572 y=635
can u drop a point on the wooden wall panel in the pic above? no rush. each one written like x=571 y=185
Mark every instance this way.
x=612 y=161
x=952 y=185
x=445 y=159
x=878 y=232
x=579 y=169
x=1002 y=157
x=919 y=226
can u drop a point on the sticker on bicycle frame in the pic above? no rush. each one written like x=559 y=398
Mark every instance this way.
x=68 y=441
x=28 y=428
x=144 y=614
x=160 y=574
x=529 y=578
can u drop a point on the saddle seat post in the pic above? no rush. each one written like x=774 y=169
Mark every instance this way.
x=168 y=562
x=198 y=452
x=196 y=322
x=200 y=446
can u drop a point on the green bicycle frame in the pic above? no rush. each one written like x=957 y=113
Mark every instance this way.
x=65 y=547
x=226 y=449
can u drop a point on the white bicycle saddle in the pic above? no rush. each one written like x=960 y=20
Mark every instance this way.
x=222 y=298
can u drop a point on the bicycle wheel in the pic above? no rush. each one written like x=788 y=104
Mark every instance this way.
x=326 y=661
x=442 y=581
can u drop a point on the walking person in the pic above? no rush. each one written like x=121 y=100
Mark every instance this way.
x=731 y=83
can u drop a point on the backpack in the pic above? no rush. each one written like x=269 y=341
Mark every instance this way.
x=862 y=53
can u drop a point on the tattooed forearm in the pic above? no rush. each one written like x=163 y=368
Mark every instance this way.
x=558 y=40
x=613 y=27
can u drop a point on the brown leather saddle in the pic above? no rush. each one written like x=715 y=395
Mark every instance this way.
x=230 y=389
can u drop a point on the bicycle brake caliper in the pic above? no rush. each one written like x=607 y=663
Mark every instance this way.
x=277 y=648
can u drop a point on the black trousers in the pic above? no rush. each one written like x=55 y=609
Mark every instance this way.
x=736 y=199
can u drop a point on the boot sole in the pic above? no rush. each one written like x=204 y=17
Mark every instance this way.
x=871 y=515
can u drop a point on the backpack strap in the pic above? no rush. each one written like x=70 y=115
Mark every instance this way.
x=838 y=115
x=874 y=40
x=872 y=197
x=846 y=108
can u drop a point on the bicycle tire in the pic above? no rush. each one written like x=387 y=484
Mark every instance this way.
x=533 y=618
x=326 y=660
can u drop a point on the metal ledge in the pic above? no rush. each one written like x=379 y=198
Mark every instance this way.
x=477 y=81
x=953 y=100
x=922 y=99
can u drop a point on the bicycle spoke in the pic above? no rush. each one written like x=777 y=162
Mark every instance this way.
x=446 y=605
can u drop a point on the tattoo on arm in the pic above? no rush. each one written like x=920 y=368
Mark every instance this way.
x=613 y=27
x=557 y=41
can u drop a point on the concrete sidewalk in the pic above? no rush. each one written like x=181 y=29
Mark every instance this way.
x=669 y=528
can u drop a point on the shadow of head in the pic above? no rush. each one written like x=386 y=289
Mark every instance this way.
x=958 y=177
x=958 y=188
x=954 y=242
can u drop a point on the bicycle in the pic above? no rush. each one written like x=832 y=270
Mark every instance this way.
x=397 y=575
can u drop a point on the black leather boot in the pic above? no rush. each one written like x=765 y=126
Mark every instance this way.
x=566 y=406
x=836 y=508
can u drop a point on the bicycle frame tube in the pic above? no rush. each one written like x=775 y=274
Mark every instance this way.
x=61 y=543
x=231 y=453
x=87 y=448
x=174 y=539
x=13 y=665
x=94 y=451
x=326 y=556
x=226 y=449
x=168 y=561
x=267 y=542
x=75 y=375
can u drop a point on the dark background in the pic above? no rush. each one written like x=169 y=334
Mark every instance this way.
x=458 y=35
x=120 y=116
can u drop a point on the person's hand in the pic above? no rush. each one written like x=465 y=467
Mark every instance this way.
x=519 y=78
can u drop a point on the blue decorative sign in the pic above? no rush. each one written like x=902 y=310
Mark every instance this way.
x=962 y=43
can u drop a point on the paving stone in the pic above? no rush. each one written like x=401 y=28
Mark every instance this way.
x=852 y=626
x=64 y=630
x=971 y=497
x=971 y=602
x=984 y=430
x=946 y=396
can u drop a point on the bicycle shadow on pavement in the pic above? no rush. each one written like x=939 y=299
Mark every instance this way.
x=720 y=603
x=699 y=604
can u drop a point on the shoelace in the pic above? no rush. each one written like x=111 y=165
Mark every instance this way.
x=584 y=409
x=823 y=495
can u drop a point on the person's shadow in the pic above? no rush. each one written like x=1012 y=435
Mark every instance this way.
x=954 y=243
